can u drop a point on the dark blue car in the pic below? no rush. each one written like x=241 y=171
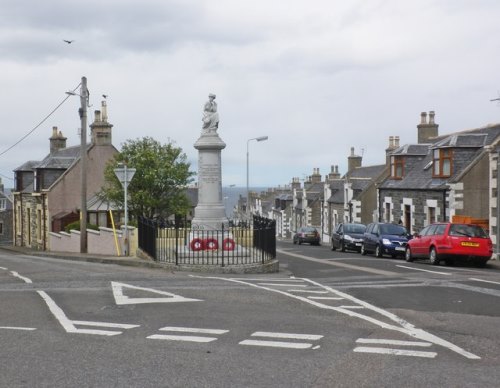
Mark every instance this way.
x=385 y=239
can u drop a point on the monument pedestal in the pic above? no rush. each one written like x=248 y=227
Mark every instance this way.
x=210 y=212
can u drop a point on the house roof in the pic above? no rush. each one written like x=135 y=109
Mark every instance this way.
x=366 y=172
x=467 y=145
x=60 y=159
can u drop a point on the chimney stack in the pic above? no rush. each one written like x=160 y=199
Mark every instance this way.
x=100 y=128
x=353 y=161
x=393 y=144
x=427 y=130
x=57 y=140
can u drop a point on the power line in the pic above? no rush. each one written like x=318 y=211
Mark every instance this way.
x=39 y=124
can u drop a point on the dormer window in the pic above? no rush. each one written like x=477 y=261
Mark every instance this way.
x=397 y=167
x=442 y=162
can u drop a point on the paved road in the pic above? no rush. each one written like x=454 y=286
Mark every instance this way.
x=327 y=319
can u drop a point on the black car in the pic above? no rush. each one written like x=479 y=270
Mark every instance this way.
x=348 y=236
x=307 y=234
x=385 y=238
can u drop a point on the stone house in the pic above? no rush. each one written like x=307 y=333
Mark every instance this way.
x=439 y=177
x=307 y=202
x=5 y=215
x=352 y=197
x=47 y=193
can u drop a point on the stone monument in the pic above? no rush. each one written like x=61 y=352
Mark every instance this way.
x=210 y=212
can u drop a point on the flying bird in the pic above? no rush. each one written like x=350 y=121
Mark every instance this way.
x=68 y=41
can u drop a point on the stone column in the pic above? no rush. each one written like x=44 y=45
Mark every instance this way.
x=210 y=212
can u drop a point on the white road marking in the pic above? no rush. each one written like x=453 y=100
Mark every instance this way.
x=187 y=338
x=485 y=281
x=342 y=265
x=312 y=337
x=69 y=325
x=194 y=330
x=181 y=338
x=395 y=352
x=392 y=342
x=5 y=269
x=277 y=344
x=23 y=278
x=121 y=299
x=17 y=328
x=309 y=291
x=282 y=285
x=352 y=307
x=400 y=325
x=324 y=298
x=424 y=270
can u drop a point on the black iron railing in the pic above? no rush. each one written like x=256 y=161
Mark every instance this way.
x=229 y=245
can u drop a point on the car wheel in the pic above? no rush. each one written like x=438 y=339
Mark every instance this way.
x=378 y=251
x=342 y=246
x=300 y=241
x=408 y=256
x=363 y=251
x=294 y=241
x=480 y=263
x=433 y=257
x=333 y=247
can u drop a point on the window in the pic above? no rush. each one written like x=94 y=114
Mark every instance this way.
x=387 y=212
x=397 y=167
x=442 y=162
x=1 y=228
x=3 y=203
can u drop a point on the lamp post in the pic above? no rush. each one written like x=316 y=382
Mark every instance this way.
x=260 y=138
x=84 y=96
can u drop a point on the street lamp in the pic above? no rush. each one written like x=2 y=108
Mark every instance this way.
x=84 y=97
x=260 y=138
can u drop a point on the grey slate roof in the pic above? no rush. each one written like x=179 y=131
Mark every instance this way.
x=468 y=146
x=367 y=172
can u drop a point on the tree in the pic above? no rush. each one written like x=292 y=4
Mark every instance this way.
x=158 y=188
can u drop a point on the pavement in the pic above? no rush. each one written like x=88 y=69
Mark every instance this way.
x=134 y=261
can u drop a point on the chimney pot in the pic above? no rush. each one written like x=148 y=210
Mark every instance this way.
x=352 y=151
x=431 y=117
x=396 y=141
x=423 y=118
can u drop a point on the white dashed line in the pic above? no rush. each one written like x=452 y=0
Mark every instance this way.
x=17 y=328
x=324 y=298
x=311 y=337
x=194 y=330
x=23 y=278
x=309 y=291
x=485 y=281
x=187 y=338
x=395 y=352
x=424 y=270
x=392 y=342
x=277 y=344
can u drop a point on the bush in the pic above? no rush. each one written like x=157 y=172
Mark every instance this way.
x=76 y=226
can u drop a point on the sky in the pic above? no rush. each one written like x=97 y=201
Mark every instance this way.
x=316 y=76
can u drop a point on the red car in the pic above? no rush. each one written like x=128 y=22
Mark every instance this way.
x=450 y=242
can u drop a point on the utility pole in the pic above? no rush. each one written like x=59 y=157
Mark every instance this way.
x=83 y=162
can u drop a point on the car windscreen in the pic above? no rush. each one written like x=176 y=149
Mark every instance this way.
x=354 y=228
x=467 y=230
x=393 y=229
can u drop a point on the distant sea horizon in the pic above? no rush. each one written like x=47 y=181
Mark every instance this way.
x=230 y=196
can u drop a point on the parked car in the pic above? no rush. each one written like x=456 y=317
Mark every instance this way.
x=450 y=242
x=385 y=238
x=306 y=234
x=348 y=236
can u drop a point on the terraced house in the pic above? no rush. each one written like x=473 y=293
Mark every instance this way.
x=441 y=177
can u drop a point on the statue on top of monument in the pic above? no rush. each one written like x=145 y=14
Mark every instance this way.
x=210 y=116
